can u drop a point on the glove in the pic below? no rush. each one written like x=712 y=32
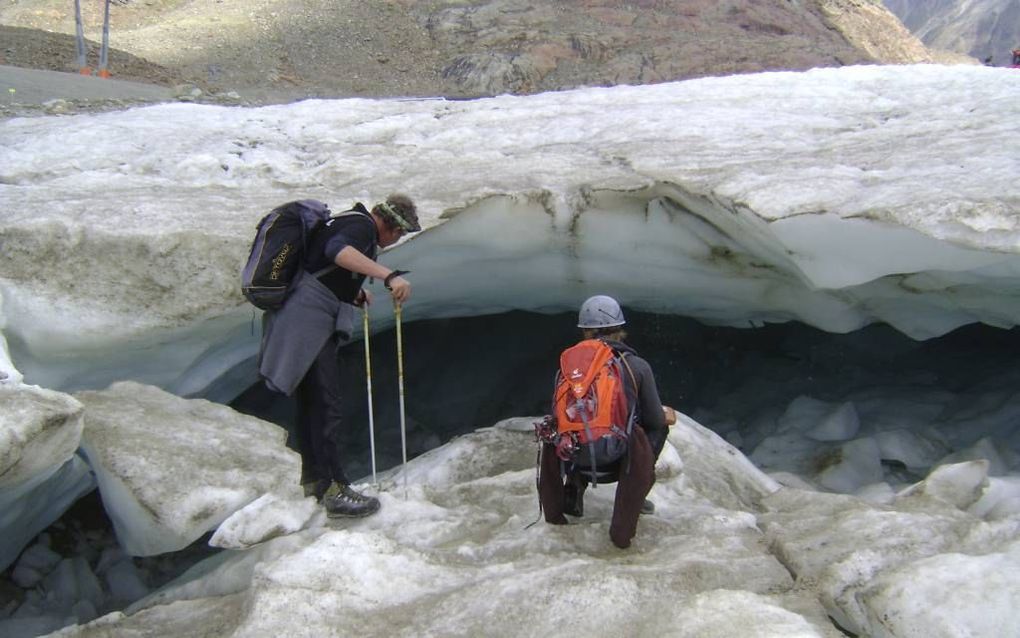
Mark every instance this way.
x=565 y=448
x=545 y=430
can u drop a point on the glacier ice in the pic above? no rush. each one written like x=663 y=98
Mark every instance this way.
x=836 y=198
x=737 y=202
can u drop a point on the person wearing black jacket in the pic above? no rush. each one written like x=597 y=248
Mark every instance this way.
x=300 y=340
x=601 y=317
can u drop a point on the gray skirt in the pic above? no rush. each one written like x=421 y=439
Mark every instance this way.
x=294 y=335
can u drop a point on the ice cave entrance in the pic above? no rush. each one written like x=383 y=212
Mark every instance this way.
x=921 y=401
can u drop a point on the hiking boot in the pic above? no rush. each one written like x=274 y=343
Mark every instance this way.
x=346 y=503
x=573 y=498
x=648 y=507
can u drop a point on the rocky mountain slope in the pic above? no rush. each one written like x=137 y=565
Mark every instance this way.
x=980 y=28
x=282 y=49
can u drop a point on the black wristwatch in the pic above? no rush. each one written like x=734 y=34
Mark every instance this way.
x=389 y=277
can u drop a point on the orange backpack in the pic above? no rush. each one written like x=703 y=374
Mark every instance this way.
x=590 y=405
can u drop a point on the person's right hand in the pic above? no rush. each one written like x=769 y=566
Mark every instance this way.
x=400 y=289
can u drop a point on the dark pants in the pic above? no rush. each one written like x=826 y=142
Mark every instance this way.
x=636 y=477
x=319 y=418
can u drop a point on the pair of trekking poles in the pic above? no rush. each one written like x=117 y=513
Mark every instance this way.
x=400 y=388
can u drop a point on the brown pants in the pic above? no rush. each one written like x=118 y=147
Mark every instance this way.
x=637 y=475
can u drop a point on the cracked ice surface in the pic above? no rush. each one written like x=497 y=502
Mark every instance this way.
x=727 y=552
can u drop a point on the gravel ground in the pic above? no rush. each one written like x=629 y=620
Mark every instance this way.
x=272 y=51
x=264 y=50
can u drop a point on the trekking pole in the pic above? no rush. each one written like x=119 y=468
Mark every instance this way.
x=368 y=378
x=400 y=387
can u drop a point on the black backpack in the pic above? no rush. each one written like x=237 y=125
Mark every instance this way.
x=277 y=254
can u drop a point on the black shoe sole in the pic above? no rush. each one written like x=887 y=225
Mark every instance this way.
x=361 y=514
x=330 y=514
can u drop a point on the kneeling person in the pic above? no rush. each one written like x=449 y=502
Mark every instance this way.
x=608 y=424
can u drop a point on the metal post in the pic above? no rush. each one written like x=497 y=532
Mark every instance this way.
x=80 y=40
x=103 y=52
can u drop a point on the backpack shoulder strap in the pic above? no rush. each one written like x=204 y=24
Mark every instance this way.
x=360 y=210
x=632 y=413
x=349 y=213
x=314 y=204
x=353 y=212
x=630 y=371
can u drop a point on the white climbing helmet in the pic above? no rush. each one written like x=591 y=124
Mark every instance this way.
x=600 y=311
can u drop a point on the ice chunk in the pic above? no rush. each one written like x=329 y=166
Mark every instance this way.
x=916 y=451
x=267 y=517
x=804 y=414
x=40 y=477
x=840 y=424
x=947 y=595
x=125 y=582
x=1001 y=499
x=789 y=451
x=877 y=493
x=170 y=469
x=39 y=431
x=958 y=484
x=9 y=375
x=35 y=562
x=851 y=466
x=71 y=584
x=83 y=611
x=25 y=512
x=986 y=449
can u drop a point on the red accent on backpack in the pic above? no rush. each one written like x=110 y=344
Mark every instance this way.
x=589 y=400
